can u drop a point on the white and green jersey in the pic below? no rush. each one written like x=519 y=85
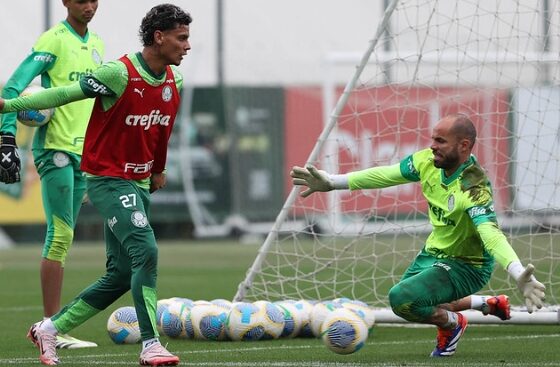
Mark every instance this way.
x=460 y=207
x=61 y=57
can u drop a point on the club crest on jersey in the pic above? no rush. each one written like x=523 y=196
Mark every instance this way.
x=451 y=203
x=167 y=93
x=139 y=219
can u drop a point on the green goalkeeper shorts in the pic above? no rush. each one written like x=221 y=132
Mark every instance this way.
x=430 y=281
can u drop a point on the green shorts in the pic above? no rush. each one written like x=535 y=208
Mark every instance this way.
x=430 y=281
x=464 y=278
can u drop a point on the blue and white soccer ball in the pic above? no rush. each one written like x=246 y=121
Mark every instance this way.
x=305 y=308
x=319 y=313
x=344 y=332
x=362 y=309
x=123 y=327
x=254 y=321
x=222 y=303
x=209 y=322
x=293 y=319
x=175 y=321
x=34 y=118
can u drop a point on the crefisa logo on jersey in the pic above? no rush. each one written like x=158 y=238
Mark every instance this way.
x=166 y=93
x=154 y=118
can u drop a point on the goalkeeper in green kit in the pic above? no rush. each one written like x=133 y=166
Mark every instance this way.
x=60 y=57
x=458 y=258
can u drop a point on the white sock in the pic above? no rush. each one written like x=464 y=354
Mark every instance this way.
x=479 y=302
x=48 y=326
x=452 y=320
x=147 y=343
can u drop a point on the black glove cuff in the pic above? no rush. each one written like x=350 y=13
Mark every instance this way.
x=8 y=139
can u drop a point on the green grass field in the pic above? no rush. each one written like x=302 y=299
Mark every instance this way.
x=209 y=270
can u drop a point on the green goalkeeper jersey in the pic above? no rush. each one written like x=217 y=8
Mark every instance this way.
x=460 y=207
x=61 y=57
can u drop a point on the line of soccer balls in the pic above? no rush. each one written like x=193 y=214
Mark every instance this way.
x=343 y=324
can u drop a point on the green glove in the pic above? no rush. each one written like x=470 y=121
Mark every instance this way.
x=314 y=179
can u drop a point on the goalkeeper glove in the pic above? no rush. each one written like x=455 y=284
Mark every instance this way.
x=314 y=179
x=9 y=159
x=528 y=285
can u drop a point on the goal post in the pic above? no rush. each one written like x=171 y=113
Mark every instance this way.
x=496 y=61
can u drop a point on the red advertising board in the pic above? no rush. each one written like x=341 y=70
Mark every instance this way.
x=382 y=125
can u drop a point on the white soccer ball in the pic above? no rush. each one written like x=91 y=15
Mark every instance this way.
x=209 y=322
x=305 y=308
x=363 y=310
x=319 y=313
x=254 y=321
x=34 y=118
x=222 y=303
x=293 y=319
x=175 y=321
x=122 y=326
x=344 y=332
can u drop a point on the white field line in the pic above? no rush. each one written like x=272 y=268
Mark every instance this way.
x=102 y=359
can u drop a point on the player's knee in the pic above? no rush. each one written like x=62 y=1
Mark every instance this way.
x=404 y=303
x=59 y=243
x=144 y=255
x=58 y=249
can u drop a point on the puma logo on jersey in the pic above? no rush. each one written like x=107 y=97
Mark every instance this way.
x=154 y=118
x=140 y=92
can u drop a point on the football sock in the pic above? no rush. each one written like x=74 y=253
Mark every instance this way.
x=479 y=302
x=452 y=319
x=147 y=343
x=48 y=326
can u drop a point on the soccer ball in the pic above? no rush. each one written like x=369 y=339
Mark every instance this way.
x=175 y=321
x=305 y=307
x=293 y=319
x=344 y=332
x=123 y=327
x=208 y=322
x=34 y=118
x=319 y=313
x=254 y=321
x=362 y=309
x=272 y=319
x=222 y=303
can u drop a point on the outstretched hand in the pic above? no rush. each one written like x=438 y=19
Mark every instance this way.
x=314 y=179
x=531 y=288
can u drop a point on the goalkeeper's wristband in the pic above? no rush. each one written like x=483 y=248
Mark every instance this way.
x=339 y=182
x=515 y=269
x=8 y=140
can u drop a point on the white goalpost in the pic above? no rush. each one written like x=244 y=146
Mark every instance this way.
x=496 y=61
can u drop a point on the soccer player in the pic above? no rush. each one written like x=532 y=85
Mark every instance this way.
x=124 y=157
x=458 y=258
x=60 y=56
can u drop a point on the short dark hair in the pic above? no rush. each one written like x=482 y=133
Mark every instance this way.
x=464 y=128
x=162 y=17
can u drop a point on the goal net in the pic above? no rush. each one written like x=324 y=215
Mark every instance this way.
x=496 y=61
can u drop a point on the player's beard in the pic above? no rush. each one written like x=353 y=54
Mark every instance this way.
x=449 y=160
